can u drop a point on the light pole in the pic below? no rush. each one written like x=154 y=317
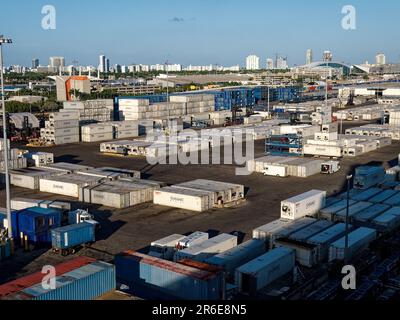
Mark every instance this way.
x=5 y=142
x=346 y=241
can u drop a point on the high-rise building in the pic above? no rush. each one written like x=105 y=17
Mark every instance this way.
x=327 y=56
x=309 y=56
x=281 y=63
x=117 y=68
x=380 y=59
x=35 y=63
x=252 y=62
x=57 y=62
x=270 y=64
x=102 y=64
x=108 y=65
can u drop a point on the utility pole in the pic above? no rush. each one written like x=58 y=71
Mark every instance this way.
x=346 y=244
x=5 y=140
x=166 y=67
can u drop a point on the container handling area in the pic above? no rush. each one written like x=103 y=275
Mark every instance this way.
x=116 y=226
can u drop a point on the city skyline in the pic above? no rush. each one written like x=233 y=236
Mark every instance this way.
x=183 y=33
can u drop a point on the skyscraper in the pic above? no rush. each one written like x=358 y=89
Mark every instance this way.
x=281 y=63
x=252 y=62
x=309 y=56
x=108 y=66
x=102 y=64
x=57 y=62
x=270 y=64
x=380 y=59
x=327 y=56
x=35 y=63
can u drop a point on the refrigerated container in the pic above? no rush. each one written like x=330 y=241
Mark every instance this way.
x=358 y=241
x=367 y=215
x=323 y=239
x=328 y=212
x=208 y=248
x=367 y=194
x=193 y=239
x=383 y=196
x=306 y=204
x=264 y=270
x=165 y=247
x=306 y=254
x=310 y=231
x=358 y=207
x=266 y=231
x=367 y=177
x=237 y=256
x=193 y=200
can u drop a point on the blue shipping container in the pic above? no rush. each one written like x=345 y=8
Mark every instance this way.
x=36 y=223
x=238 y=256
x=85 y=283
x=72 y=235
x=367 y=177
x=166 y=279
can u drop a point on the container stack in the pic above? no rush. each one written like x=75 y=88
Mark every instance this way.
x=394 y=118
x=97 y=132
x=188 y=280
x=81 y=278
x=100 y=110
x=15 y=161
x=122 y=193
x=199 y=195
x=29 y=178
x=178 y=106
x=39 y=159
x=285 y=166
x=62 y=128
x=67 y=185
x=125 y=129
x=195 y=104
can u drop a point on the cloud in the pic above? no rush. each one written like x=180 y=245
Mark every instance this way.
x=178 y=19
x=181 y=20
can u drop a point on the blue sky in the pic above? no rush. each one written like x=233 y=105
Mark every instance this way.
x=199 y=32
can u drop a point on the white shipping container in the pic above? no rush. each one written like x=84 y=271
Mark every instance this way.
x=320 y=150
x=39 y=159
x=193 y=239
x=67 y=185
x=306 y=204
x=97 y=137
x=62 y=140
x=64 y=116
x=194 y=200
x=208 y=248
x=30 y=178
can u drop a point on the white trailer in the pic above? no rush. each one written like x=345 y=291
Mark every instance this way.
x=276 y=171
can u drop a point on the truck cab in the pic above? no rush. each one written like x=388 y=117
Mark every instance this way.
x=165 y=248
x=80 y=216
x=330 y=167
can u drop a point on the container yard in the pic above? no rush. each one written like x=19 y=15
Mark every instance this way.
x=147 y=170
x=312 y=241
